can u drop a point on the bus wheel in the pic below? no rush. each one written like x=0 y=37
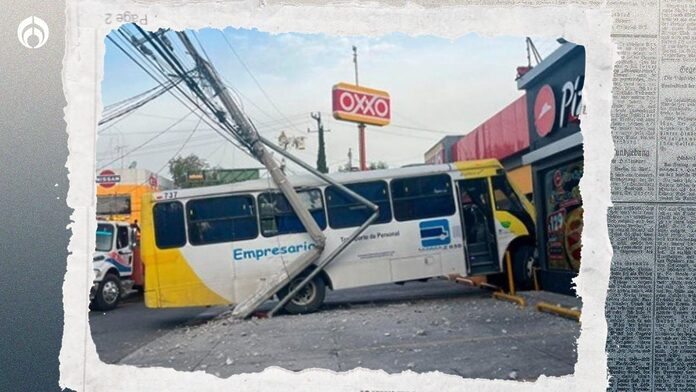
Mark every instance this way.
x=308 y=299
x=523 y=263
x=108 y=294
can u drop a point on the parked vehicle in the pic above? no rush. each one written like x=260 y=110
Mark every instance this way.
x=113 y=263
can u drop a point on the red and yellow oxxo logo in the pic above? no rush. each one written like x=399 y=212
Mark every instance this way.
x=361 y=104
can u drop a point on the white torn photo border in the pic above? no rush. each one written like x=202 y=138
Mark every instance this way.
x=80 y=367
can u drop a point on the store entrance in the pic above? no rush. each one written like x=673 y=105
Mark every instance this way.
x=479 y=229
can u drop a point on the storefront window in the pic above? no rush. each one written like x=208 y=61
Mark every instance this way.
x=563 y=208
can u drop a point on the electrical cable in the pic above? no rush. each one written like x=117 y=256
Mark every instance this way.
x=263 y=91
x=147 y=141
x=159 y=69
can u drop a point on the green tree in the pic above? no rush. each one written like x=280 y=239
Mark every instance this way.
x=321 y=155
x=181 y=167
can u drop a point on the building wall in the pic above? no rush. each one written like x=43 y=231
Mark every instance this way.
x=556 y=156
x=504 y=134
x=133 y=184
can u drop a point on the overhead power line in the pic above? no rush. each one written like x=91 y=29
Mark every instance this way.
x=148 y=140
x=123 y=108
x=156 y=67
x=263 y=91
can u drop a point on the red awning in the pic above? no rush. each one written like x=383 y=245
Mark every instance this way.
x=499 y=137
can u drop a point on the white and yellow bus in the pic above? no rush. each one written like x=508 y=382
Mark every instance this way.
x=217 y=245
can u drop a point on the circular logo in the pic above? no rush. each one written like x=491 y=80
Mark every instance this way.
x=152 y=180
x=544 y=111
x=32 y=32
x=108 y=178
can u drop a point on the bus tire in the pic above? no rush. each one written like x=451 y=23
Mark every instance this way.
x=108 y=293
x=523 y=263
x=307 y=300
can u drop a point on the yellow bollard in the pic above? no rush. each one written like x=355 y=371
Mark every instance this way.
x=512 y=296
x=511 y=281
x=559 y=310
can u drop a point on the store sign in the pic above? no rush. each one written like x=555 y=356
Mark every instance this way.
x=544 y=111
x=569 y=108
x=152 y=180
x=571 y=101
x=360 y=104
x=563 y=213
x=107 y=178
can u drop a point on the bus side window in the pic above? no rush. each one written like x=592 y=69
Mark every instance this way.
x=422 y=197
x=277 y=216
x=169 y=225
x=344 y=211
x=222 y=219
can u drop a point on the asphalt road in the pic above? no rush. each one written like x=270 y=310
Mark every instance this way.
x=131 y=325
x=433 y=326
x=119 y=332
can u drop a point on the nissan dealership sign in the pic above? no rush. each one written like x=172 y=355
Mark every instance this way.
x=107 y=178
x=361 y=104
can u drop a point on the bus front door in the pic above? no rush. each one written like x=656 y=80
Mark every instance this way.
x=478 y=226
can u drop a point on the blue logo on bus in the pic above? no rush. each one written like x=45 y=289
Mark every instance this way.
x=435 y=233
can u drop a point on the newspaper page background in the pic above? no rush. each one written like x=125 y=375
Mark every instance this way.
x=650 y=306
x=649 y=312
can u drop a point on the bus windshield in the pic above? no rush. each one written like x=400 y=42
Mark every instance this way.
x=105 y=236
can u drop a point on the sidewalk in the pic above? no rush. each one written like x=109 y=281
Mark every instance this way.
x=461 y=331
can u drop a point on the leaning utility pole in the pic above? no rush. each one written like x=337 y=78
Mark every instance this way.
x=251 y=138
x=321 y=154
x=245 y=131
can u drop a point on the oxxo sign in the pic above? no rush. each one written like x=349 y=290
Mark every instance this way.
x=568 y=109
x=360 y=104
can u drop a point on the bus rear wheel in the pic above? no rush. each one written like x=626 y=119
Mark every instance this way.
x=308 y=299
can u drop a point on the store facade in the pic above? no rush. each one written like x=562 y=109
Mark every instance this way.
x=554 y=105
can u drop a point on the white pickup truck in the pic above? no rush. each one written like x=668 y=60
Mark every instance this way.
x=113 y=264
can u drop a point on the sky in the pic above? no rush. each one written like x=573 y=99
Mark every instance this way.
x=437 y=86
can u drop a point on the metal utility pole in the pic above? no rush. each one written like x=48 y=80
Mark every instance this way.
x=321 y=154
x=361 y=126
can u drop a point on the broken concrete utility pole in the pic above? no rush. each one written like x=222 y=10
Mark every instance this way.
x=250 y=137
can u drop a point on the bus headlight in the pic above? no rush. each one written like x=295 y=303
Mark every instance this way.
x=98 y=258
